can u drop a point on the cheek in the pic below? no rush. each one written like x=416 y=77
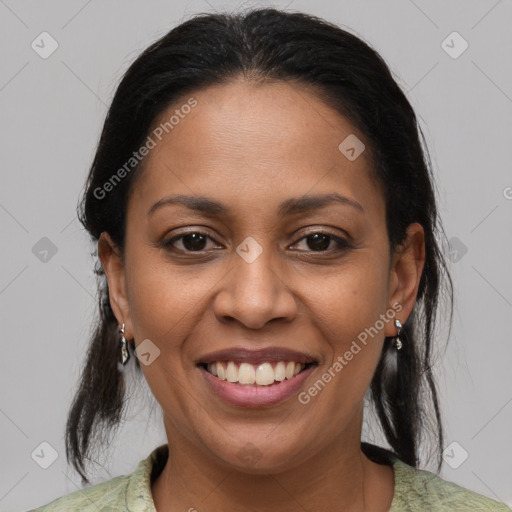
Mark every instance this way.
x=352 y=298
x=348 y=311
x=166 y=300
x=161 y=301
x=164 y=309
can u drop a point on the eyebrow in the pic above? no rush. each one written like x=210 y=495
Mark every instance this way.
x=294 y=205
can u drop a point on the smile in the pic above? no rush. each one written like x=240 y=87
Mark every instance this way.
x=251 y=394
x=264 y=374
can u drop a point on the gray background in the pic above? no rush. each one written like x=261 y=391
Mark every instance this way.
x=52 y=112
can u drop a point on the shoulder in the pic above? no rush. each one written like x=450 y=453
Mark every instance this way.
x=418 y=489
x=126 y=492
x=108 y=495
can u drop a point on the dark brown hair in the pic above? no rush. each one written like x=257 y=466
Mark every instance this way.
x=267 y=44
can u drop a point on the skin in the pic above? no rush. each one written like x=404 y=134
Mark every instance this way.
x=250 y=147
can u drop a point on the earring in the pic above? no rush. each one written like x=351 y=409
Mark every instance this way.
x=125 y=355
x=396 y=340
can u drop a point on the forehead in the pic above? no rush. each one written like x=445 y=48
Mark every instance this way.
x=242 y=140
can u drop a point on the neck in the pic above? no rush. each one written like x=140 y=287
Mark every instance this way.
x=339 y=477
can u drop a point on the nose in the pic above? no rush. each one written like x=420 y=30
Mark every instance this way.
x=254 y=292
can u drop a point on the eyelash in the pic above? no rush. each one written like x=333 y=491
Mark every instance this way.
x=342 y=244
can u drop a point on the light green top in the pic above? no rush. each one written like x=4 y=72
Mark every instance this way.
x=415 y=490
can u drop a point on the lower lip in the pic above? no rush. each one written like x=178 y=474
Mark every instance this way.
x=254 y=395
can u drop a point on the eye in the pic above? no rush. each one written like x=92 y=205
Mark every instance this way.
x=192 y=241
x=320 y=241
x=196 y=241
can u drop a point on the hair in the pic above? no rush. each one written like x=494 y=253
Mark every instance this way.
x=263 y=45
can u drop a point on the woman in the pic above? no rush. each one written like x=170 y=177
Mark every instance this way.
x=269 y=244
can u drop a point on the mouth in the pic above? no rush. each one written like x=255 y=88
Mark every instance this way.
x=249 y=378
x=265 y=373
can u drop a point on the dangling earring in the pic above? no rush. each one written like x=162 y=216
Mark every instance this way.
x=396 y=340
x=125 y=355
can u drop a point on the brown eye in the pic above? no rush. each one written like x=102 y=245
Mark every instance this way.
x=196 y=241
x=193 y=241
x=321 y=242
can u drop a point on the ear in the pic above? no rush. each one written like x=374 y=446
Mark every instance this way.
x=112 y=262
x=405 y=274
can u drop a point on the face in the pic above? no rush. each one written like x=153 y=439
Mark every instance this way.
x=257 y=274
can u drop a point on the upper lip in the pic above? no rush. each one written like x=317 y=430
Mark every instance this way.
x=244 y=355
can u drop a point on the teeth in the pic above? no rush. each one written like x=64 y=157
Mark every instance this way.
x=280 y=371
x=231 y=372
x=246 y=374
x=263 y=374
x=220 y=371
